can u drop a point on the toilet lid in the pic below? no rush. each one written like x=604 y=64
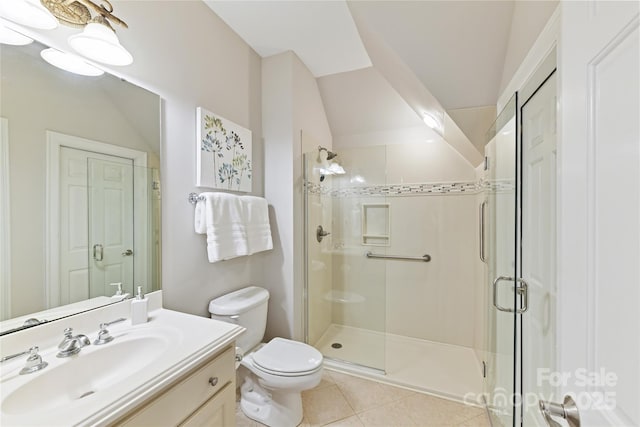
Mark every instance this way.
x=286 y=356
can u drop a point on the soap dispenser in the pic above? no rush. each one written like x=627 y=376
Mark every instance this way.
x=119 y=295
x=139 y=308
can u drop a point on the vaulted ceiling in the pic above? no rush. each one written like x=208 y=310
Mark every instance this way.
x=463 y=53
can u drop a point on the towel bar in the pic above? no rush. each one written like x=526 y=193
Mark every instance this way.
x=194 y=198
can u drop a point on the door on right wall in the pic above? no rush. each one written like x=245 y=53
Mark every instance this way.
x=598 y=329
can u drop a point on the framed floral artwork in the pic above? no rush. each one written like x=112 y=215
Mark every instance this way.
x=224 y=153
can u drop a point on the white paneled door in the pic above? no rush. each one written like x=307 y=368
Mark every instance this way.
x=96 y=223
x=110 y=213
x=599 y=211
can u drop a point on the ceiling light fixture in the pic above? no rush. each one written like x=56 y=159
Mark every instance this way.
x=9 y=36
x=430 y=121
x=69 y=62
x=28 y=12
x=98 y=41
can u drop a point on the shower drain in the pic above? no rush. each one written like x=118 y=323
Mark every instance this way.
x=336 y=345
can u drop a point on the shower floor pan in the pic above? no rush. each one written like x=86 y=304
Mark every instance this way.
x=447 y=370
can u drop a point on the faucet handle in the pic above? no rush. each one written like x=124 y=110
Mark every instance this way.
x=104 y=336
x=34 y=361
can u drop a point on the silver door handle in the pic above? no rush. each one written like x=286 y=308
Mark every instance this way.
x=98 y=253
x=567 y=411
x=481 y=214
x=128 y=252
x=521 y=288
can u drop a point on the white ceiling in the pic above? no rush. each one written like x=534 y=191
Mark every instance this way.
x=448 y=54
x=456 y=48
x=363 y=100
x=321 y=33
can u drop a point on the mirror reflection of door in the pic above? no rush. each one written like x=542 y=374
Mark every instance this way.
x=96 y=211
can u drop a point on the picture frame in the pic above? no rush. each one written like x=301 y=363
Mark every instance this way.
x=223 y=149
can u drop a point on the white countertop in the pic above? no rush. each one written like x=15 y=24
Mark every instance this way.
x=191 y=340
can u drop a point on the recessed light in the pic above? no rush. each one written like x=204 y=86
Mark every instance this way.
x=69 y=62
x=430 y=121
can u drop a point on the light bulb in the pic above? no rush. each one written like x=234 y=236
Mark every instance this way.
x=69 y=62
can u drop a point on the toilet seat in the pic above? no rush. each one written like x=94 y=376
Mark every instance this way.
x=287 y=358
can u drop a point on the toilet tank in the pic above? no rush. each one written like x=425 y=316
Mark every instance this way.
x=246 y=307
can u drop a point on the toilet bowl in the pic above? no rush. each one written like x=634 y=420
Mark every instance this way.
x=273 y=374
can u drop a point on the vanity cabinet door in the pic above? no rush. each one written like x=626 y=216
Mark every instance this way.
x=219 y=411
x=188 y=395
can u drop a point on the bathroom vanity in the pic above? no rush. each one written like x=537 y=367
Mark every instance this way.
x=204 y=396
x=177 y=369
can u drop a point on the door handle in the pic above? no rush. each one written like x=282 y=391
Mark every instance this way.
x=98 y=253
x=128 y=252
x=521 y=288
x=567 y=410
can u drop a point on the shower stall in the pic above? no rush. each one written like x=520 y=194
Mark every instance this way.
x=393 y=273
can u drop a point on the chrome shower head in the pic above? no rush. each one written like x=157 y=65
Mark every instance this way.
x=330 y=154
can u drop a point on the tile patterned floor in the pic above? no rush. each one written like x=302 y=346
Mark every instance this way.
x=342 y=400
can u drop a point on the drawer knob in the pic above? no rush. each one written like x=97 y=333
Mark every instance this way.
x=213 y=381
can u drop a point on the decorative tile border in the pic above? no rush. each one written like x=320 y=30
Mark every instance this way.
x=402 y=190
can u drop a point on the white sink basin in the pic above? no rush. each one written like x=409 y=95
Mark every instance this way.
x=95 y=369
x=103 y=383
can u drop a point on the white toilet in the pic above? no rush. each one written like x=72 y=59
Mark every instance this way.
x=277 y=371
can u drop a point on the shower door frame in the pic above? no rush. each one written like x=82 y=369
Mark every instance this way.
x=506 y=316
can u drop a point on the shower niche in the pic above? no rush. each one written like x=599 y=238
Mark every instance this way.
x=376 y=224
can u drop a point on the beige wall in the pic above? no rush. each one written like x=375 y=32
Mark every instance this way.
x=529 y=19
x=292 y=107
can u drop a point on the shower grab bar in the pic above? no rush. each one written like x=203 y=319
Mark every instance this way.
x=424 y=258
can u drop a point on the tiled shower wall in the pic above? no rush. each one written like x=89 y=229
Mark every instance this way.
x=431 y=191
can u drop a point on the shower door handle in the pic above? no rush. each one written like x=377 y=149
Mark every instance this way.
x=481 y=214
x=521 y=288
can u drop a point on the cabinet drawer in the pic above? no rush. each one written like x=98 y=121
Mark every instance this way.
x=178 y=402
x=219 y=411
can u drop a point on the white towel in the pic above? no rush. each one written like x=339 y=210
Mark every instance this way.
x=224 y=223
x=256 y=217
x=200 y=219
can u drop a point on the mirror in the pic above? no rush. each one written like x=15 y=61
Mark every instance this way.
x=80 y=189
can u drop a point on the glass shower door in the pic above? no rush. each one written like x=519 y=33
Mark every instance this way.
x=345 y=290
x=500 y=213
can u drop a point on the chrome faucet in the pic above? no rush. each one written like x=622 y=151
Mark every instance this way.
x=104 y=336
x=71 y=345
x=34 y=361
